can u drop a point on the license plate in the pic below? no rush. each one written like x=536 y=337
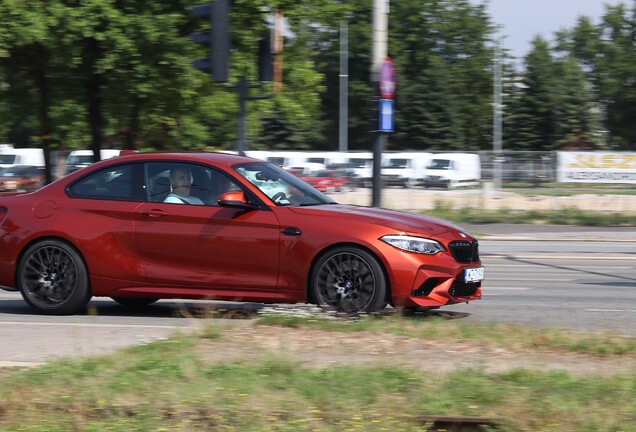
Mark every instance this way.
x=475 y=274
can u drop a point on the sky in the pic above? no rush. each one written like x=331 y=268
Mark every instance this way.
x=522 y=20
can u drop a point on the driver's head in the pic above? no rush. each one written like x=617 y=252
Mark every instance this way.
x=181 y=180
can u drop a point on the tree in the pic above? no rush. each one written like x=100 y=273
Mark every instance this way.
x=25 y=53
x=608 y=55
x=443 y=45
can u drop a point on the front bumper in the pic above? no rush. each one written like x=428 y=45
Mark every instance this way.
x=419 y=280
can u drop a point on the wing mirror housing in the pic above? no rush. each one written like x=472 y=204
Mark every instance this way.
x=235 y=199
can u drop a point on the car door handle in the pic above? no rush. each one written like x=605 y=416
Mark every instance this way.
x=154 y=213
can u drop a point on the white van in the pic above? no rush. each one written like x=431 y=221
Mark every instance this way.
x=285 y=159
x=22 y=156
x=452 y=170
x=404 y=169
x=361 y=165
x=326 y=158
x=80 y=158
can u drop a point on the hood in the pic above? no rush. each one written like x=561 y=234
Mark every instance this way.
x=397 y=221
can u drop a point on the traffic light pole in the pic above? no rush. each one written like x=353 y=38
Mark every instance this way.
x=243 y=95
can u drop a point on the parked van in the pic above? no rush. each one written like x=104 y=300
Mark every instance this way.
x=404 y=169
x=452 y=170
x=285 y=159
x=326 y=158
x=361 y=164
x=80 y=158
x=22 y=156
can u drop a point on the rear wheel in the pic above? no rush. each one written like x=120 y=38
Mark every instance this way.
x=52 y=278
x=349 y=279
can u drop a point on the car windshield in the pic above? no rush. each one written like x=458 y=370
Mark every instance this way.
x=396 y=163
x=7 y=159
x=282 y=187
x=439 y=164
x=80 y=159
x=19 y=171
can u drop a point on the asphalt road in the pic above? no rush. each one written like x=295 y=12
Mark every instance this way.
x=569 y=277
x=578 y=285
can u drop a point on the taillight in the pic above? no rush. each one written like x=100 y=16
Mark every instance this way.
x=3 y=213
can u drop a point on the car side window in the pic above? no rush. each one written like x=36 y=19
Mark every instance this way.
x=205 y=184
x=114 y=182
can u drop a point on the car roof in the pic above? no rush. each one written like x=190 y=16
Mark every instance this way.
x=190 y=156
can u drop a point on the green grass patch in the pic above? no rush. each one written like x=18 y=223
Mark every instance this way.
x=167 y=385
x=279 y=395
x=566 y=216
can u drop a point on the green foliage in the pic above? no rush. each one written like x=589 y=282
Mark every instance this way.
x=608 y=55
x=104 y=73
x=564 y=216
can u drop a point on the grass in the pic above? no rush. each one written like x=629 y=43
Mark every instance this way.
x=566 y=216
x=510 y=335
x=167 y=385
x=569 y=189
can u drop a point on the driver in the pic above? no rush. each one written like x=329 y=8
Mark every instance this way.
x=180 y=184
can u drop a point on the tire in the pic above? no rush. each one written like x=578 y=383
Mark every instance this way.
x=348 y=279
x=53 y=279
x=134 y=302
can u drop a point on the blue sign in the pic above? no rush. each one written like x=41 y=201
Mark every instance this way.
x=386 y=115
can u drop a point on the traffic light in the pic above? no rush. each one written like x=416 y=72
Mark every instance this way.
x=217 y=39
x=265 y=58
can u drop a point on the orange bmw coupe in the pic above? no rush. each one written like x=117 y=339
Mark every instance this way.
x=147 y=226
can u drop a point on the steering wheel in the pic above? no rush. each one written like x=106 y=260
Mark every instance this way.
x=279 y=196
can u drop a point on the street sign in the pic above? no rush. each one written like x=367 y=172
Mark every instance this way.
x=386 y=115
x=387 y=79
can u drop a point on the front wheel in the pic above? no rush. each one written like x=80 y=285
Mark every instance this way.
x=52 y=278
x=349 y=279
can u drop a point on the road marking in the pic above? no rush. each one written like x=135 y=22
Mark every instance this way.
x=611 y=310
x=488 y=292
x=509 y=288
x=576 y=257
x=488 y=278
x=542 y=265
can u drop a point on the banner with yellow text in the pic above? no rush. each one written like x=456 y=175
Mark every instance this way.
x=596 y=167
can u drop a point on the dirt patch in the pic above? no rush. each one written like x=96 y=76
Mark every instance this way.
x=325 y=349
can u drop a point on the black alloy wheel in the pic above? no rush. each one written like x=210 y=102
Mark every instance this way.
x=349 y=279
x=52 y=278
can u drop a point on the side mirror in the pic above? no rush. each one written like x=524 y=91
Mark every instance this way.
x=235 y=199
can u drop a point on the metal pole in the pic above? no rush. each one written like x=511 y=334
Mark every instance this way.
x=497 y=118
x=242 y=94
x=344 y=83
x=380 y=30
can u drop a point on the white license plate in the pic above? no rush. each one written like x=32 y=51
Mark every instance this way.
x=475 y=274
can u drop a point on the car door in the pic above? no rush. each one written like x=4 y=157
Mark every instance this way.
x=101 y=214
x=207 y=246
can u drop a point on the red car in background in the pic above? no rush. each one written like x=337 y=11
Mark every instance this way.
x=328 y=180
x=21 y=178
x=248 y=231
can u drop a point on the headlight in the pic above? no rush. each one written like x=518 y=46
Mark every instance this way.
x=413 y=244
